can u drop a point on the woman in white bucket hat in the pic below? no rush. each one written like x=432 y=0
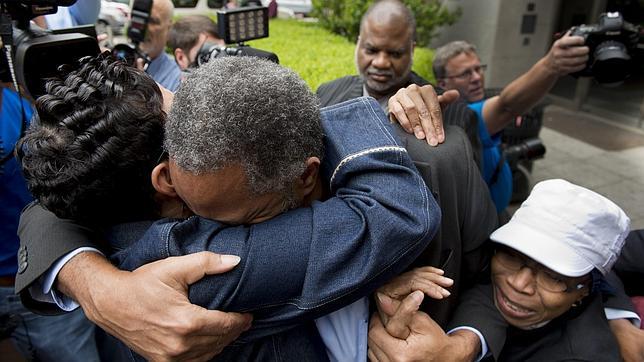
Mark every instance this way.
x=547 y=273
x=547 y=283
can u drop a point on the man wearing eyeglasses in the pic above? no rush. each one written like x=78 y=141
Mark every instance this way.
x=457 y=66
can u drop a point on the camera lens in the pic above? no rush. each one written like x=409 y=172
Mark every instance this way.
x=125 y=53
x=612 y=63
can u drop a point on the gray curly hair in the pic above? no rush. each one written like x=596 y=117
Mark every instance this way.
x=247 y=111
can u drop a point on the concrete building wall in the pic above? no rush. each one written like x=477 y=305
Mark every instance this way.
x=494 y=26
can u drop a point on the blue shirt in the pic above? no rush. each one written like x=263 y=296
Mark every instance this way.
x=501 y=190
x=80 y=13
x=13 y=188
x=165 y=71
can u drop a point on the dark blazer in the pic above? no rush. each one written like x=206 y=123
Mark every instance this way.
x=468 y=215
x=43 y=239
x=630 y=265
x=457 y=113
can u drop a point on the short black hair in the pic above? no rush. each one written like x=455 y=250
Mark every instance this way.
x=93 y=142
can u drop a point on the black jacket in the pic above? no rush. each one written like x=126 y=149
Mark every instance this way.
x=457 y=113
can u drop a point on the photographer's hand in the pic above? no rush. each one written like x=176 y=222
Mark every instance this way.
x=148 y=308
x=141 y=64
x=567 y=55
x=418 y=110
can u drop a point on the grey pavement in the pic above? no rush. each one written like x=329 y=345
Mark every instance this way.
x=616 y=174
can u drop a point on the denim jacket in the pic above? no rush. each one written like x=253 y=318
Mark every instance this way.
x=311 y=261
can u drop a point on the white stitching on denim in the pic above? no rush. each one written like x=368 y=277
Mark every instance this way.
x=364 y=153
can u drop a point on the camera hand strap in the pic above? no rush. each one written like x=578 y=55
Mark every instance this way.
x=497 y=169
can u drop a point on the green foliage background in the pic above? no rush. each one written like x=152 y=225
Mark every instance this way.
x=318 y=55
x=343 y=16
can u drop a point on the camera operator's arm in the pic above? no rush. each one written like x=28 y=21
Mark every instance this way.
x=159 y=323
x=567 y=55
x=159 y=290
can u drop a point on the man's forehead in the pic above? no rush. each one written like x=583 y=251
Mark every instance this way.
x=386 y=31
x=463 y=59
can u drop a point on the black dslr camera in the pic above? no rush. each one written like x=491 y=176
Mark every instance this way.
x=211 y=51
x=33 y=54
x=612 y=44
x=237 y=26
x=136 y=33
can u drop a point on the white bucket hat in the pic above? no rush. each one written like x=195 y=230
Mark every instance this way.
x=567 y=228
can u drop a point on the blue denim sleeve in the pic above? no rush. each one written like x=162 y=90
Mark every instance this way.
x=311 y=261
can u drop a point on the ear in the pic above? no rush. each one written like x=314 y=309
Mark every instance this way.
x=162 y=181
x=181 y=58
x=308 y=181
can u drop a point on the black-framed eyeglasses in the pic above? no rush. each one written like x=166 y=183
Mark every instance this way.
x=467 y=74
x=545 y=278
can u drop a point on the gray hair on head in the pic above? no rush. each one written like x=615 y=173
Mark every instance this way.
x=447 y=52
x=246 y=111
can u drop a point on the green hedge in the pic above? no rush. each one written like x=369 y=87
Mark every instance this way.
x=318 y=55
x=343 y=16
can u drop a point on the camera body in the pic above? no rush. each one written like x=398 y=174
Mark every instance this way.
x=237 y=26
x=210 y=51
x=37 y=53
x=612 y=42
x=136 y=33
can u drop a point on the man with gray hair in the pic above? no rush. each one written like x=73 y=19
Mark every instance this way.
x=237 y=119
x=244 y=144
x=457 y=66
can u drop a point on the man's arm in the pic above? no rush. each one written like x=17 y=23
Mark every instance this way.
x=44 y=238
x=567 y=55
x=311 y=261
x=102 y=291
x=166 y=325
x=629 y=338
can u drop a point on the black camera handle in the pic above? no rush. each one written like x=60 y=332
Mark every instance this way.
x=497 y=169
x=6 y=33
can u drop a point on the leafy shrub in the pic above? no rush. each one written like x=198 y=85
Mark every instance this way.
x=343 y=16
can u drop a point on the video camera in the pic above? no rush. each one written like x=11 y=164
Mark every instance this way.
x=612 y=44
x=136 y=33
x=33 y=54
x=237 y=26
